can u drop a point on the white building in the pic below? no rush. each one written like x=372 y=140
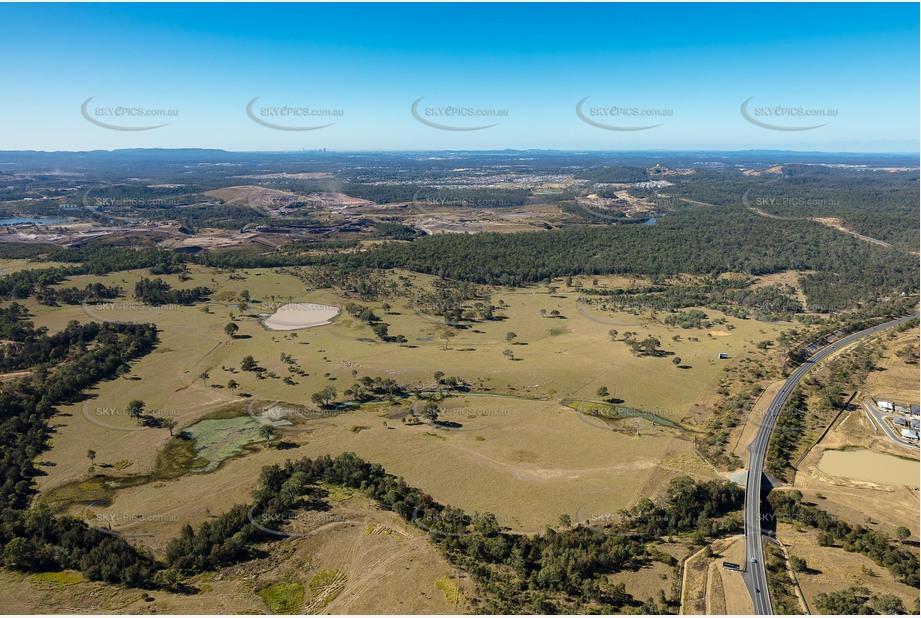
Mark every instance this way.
x=910 y=434
x=885 y=405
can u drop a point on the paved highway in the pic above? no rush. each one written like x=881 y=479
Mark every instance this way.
x=754 y=573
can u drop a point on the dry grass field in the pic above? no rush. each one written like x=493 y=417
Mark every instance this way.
x=558 y=359
x=518 y=451
x=356 y=559
x=829 y=569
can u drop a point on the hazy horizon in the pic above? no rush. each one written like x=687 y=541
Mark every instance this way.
x=490 y=150
x=423 y=77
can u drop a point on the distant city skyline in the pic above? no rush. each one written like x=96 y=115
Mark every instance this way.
x=377 y=77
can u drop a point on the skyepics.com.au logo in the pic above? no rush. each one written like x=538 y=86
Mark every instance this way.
x=442 y=415
x=773 y=202
x=441 y=207
x=455 y=117
x=142 y=417
x=778 y=117
x=108 y=523
x=288 y=417
x=100 y=202
x=450 y=522
x=294 y=305
x=296 y=524
x=279 y=201
x=122 y=117
x=291 y=117
x=794 y=524
x=620 y=523
x=605 y=117
x=441 y=204
x=599 y=416
x=114 y=312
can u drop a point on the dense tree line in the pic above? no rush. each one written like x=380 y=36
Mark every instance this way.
x=695 y=241
x=456 y=301
x=26 y=283
x=158 y=292
x=781 y=585
x=23 y=284
x=38 y=541
x=902 y=563
x=736 y=296
x=29 y=346
x=695 y=318
x=23 y=250
x=101 y=260
x=362 y=283
x=31 y=538
x=26 y=404
x=92 y=293
x=879 y=204
x=557 y=571
x=727 y=414
x=788 y=436
x=857 y=601
x=700 y=241
x=395 y=231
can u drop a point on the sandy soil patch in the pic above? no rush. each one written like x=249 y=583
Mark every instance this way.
x=710 y=588
x=300 y=315
x=866 y=465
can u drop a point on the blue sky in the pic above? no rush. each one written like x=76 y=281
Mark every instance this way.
x=535 y=61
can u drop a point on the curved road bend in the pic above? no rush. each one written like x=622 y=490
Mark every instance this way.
x=754 y=573
x=880 y=419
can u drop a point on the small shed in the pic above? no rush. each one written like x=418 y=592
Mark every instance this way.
x=724 y=355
